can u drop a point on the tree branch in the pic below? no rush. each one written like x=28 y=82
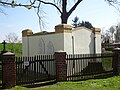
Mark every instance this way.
x=74 y=7
x=41 y=23
x=15 y=4
x=113 y=1
x=1 y=11
x=50 y=4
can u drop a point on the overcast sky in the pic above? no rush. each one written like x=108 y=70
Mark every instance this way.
x=98 y=12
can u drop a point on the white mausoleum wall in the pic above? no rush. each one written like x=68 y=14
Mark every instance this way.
x=75 y=41
x=98 y=43
x=43 y=44
x=68 y=43
x=81 y=41
x=24 y=46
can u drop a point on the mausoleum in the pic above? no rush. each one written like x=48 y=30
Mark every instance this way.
x=79 y=40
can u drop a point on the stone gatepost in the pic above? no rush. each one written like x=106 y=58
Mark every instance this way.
x=9 y=70
x=116 y=61
x=61 y=66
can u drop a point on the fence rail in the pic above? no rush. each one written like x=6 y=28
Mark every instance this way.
x=87 y=56
x=85 y=66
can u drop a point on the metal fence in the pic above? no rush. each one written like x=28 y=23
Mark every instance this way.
x=79 y=67
x=86 y=66
x=35 y=69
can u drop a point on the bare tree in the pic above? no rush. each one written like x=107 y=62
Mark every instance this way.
x=12 y=38
x=106 y=37
x=112 y=30
x=60 y=5
x=114 y=3
x=117 y=33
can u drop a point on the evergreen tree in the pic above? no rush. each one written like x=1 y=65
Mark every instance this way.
x=76 y=23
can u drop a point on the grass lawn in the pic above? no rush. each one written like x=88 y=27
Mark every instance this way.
x=112 y=83
x=16 y=48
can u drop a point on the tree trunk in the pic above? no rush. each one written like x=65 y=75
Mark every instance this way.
x=64 y=19
x=64 y=16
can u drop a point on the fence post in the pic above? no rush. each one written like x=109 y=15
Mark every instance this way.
x=116 y=61
x=9 y=70
x=61 y=66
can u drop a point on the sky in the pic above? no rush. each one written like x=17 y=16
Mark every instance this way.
x=97 y=12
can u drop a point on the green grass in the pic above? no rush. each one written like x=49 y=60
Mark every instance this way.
x=112 y=83
x=17 y=48
x=108 y=52
x=107 y=63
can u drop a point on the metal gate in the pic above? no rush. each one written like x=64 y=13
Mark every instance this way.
x=32 y=70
